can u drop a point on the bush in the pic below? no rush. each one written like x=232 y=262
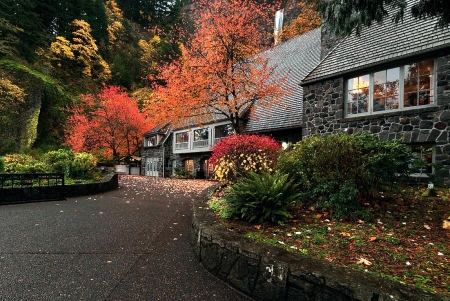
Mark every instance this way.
x=2 y=164
x=336 y=170
x=237 y=155
x=82 y=165
x=19 y=163
x=59 y=161
x=262 y=197
x=182 y=173
x=221 y=206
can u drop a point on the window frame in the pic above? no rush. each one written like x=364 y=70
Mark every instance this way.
x=401 y=92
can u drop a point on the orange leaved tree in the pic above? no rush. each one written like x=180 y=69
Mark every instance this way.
x=220 y=74
x=109 y=122
x=307 y=18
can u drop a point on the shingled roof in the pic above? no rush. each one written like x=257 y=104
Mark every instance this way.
x=296 y=58
x=382 y=43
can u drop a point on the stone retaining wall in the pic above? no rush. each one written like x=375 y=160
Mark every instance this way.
x=265 y=272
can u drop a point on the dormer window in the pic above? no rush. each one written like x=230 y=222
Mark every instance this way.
x=406 y=86
x=150 y=141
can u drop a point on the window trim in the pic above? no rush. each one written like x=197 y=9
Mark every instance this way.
x=401 y=101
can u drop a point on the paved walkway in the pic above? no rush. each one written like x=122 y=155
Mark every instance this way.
x=128 y=244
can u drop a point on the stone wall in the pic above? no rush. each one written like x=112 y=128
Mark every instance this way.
x=164 y=155
x=324 y=112
x=266 y=272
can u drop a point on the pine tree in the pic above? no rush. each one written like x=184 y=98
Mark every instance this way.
x=345 y=16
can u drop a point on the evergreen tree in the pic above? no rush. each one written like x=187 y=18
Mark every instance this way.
x=345 y=16
x=21 y=14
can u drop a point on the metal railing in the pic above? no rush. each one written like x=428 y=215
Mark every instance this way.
x=27 y=187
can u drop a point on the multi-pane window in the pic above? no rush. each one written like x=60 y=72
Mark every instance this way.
x=201 y=134
x=182 y=140
x=201 y=138
x=150 y=141
x=189 y=166
x=396 y=88
x=182 y=137
x=222 y=131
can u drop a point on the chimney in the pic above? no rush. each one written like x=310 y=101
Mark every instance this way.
x=278 y=25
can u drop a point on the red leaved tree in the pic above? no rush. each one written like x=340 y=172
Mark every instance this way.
x=109 y=122
x=220 y=74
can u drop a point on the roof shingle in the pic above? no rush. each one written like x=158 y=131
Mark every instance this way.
x=294 y=58
x=382 y=43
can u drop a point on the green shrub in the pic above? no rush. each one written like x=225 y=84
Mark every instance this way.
x=262 y=197
x=59 y=161
x=338 y=169
x=2 y=164
x=20 y=163
x=82 y=165
x=341 y=202
x=182 y=173
x=384 y=164
x=237 y=155
x=221 y=206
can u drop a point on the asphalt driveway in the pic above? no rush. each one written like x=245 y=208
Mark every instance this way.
x=128 y=244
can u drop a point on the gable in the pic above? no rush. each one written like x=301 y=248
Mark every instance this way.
x=380 y=44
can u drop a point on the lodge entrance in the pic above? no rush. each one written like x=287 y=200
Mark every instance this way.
x=151 y=167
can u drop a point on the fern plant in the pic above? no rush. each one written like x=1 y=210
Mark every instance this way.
x=263 y=197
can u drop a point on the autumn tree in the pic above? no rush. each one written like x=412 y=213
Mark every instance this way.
x=345 y=16
x=11 y=99
x=80 y=53
x=220 y=74
x=306 y=19
x=109 y=123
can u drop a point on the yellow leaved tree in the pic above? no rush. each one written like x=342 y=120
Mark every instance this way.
x=79 y=54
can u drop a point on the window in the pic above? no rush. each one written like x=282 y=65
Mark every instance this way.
x=391 y=89
x=222 y=131
x=189 y=166
x=182 y=140
x=201 y=138
x=201 y=134
x=150 y=141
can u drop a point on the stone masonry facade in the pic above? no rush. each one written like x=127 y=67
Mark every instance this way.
x=324 y=113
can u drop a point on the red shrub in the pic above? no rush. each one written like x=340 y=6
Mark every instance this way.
x=236 y=155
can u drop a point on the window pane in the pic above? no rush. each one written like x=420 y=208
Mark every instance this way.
x=379 y=77
x=392 y=102
x=379 y=104
x=182 y=137
x=223 y=131
x=426 y=67
x=410 y=99
x=363 y=100
x=424 y=82
x=379 y=90
x=393 y=74
x=424 y=98
x=352 y=100
x=201 y=134
x=410 y=85
x=363 y=81
x=352 y=83
x=411 y=70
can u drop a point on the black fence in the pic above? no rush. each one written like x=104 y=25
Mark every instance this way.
x=31 y=187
